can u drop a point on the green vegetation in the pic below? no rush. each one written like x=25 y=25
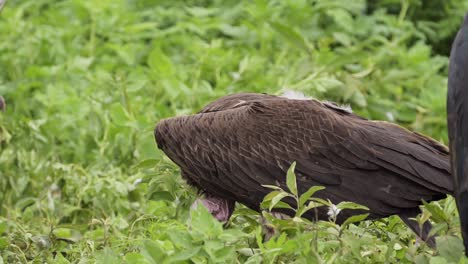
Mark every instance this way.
x=81 y=179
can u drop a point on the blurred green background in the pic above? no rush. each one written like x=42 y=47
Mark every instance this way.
x=81 y=179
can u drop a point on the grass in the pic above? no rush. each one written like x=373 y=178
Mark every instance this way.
x=81 y=179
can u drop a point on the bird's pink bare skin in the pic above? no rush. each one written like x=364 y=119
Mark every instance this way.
x=220 y=208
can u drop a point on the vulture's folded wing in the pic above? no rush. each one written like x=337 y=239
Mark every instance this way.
x=235 y=147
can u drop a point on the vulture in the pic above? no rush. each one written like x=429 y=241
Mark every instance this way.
x=457 y=123
x=240 y=142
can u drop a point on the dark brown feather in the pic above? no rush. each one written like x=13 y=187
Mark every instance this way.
x=241 y=141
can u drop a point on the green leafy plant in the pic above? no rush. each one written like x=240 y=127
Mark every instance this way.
x=81 y=179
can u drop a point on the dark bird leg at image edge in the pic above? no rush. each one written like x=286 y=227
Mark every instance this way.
x=457 y=122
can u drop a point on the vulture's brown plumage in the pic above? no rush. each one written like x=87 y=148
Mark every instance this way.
x=240 y=142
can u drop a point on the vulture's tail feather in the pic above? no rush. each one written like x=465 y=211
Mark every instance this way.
x=422 y=233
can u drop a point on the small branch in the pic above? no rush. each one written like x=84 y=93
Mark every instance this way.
x=2 y=4
x=2 y=101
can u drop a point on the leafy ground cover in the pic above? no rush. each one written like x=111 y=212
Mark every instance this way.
x=81 y=180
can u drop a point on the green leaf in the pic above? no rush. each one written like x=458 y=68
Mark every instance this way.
x=355 y=218
x=67 y=234
x=180 y=239
x=184 y=254
x=267 y=199
x=351 y=205
x=291 y=35
x=58 y=259
x=259 y=238
x=161 y=196
x=146 y=164
x=283 y=205
x=437 y=228
x=201 y=11
x=291 y=179
x=270 y=196
x=119 y=115
x=438 y=260
x=305 y=196
x=3 y=226
x=342 y=18
x=312 y=204
x=135 y=258
x=232 y=235
x=438 y=214
x=321 y=201
x=153 y=252
x=218 y=251
x=359 y=99
x=160 y=63
x=272 y=187
x=421 y=259
x=3 y=243
x=206 y=225
x=107 y=256
x=450 y=247
x=276 y=199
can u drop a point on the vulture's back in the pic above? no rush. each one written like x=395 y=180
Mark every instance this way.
x=241 y=142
